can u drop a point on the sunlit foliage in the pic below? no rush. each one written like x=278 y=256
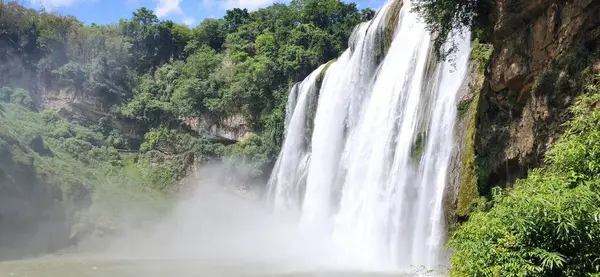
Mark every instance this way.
x=549 y=223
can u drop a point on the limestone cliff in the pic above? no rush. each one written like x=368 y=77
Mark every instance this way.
x=73 y=104
x=227 y=129
x=544 y=51
x=81 y=107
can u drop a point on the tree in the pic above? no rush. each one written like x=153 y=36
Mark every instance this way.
x=154 y=42
x=445 y=16
x=149 y=73
x=367 y=14
x=236 y=18
x=211 y=32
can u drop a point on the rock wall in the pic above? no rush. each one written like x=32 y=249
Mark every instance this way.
x=227 y=129
x=72 y=105
x=544 y=50
x=515 y=105
x=462 y=189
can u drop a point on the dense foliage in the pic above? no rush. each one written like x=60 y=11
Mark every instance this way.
x=149 y=74
x=44 y=146
x=549 y=223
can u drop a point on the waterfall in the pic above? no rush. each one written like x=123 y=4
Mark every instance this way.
x=370 y=165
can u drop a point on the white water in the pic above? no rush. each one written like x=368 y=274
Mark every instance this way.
x=373 y=170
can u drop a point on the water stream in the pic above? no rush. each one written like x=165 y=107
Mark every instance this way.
x=371 y=168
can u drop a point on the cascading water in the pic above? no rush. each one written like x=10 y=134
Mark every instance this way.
x=292 y=161
x=372 y=168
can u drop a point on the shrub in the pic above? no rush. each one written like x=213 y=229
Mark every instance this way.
x=549 y=223
x=17 y=96
x=167 y=141
x=62 y=131
x=51 y=116
x=249 y=156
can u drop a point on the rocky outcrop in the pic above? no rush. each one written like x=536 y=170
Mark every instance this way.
x=227 y=129
x=462 y=191
x=543 y=51
x=72 y=105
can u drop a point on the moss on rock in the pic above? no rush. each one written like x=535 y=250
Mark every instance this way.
x=313 y=102
x=471 y=164
x=391 y=24
x=468 y=191
x=418 y=145
x=321 y=75
x=482 y=53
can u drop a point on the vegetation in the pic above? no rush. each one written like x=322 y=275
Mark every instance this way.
x=481 y=53
x=468 y=189
x=148 y=74
x=548 y=224
x=140 y=80
x=71 y=155
x=443 y=17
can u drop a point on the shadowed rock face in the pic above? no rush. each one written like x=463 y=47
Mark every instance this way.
x=530 y=35
x=544 y=51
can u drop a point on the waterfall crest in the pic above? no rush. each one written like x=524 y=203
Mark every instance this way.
x=369 y=166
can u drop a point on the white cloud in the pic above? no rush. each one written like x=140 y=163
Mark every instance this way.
x=249 y=4
x=54 y=3
x=189 y=20
x=166 y=7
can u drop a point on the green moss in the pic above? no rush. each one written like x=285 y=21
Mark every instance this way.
x=321 y=75
x=463 y=106
x=468 y=192
x=391 y=24
x=419 y=145
x=481 y=53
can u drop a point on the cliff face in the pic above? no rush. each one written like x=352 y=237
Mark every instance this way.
x=515 y=105
x=227 y=129
x=543 y=51
x=73 y=104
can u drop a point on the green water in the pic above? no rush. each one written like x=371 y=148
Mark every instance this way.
x=58 y=266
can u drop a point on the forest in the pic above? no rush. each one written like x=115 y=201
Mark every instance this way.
x=149 y=73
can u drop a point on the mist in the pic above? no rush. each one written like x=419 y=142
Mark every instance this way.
x=213 y=227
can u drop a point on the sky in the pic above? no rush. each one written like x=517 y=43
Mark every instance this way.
x=189 y=12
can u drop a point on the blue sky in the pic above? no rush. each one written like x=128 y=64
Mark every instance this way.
x=189 y=12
